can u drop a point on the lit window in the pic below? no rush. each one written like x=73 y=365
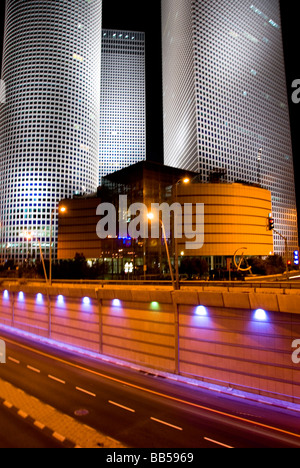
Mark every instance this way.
x=78 y=57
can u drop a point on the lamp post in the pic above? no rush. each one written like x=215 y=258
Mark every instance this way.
x=151 y=217
x=286 y=252
x=29 y=236
x=184 y=181
x=62 y=209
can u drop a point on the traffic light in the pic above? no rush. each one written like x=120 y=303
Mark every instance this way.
x=296 y=257
x=271 y=224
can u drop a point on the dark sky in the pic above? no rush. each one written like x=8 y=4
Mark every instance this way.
x=144 y=16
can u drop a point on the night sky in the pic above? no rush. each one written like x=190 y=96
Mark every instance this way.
x=144 y=16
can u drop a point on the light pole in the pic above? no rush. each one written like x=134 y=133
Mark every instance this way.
x=286 y=252
x=62 y=209
x=29 y=236
x=184 y=181
x=151 y=217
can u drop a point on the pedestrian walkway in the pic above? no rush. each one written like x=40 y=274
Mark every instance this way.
x=67 y=430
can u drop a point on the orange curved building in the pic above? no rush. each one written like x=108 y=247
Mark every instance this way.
x=235 y=216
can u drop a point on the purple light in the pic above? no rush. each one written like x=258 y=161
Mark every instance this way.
x=260 y=315
x=201 y=311
x=86 y=301
x=60 y=300
x=116 y=303
x=39 y=298
x=21 y=296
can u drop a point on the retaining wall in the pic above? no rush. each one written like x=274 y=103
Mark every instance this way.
x=214 y=336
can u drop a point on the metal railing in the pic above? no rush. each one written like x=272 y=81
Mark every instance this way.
x=276 y=285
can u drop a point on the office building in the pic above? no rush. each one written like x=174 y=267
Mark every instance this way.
x=122 y=107
x=226 y=112
x=50 y=120
x=240 y=208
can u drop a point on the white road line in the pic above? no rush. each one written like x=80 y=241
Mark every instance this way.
x=218 y=443
x=13 y=360
x=33 y=369
x=121 y=406
x=167 y=424
x=56 y=379
x=85 y=391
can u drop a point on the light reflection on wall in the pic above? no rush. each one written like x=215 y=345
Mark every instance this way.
x=21 y=296
x=60 y=300
x=260 y=315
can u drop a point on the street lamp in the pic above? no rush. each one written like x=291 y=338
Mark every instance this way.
x=63 y=210
x=30 y=236
x=150 y=216
x=185 y=181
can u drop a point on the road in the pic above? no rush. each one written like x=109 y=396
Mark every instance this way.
x=142 y=411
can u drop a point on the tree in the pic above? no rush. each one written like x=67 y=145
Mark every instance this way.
x=195 y=266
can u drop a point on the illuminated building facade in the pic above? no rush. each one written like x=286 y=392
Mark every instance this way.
x=123 y=107
x=50 y=119
x=225 y=99
x=240 y=208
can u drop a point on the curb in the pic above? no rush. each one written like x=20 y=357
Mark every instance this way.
x=66 y=443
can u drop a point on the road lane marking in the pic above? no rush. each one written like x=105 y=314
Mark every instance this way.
x=56 y=379
x=153 y=392
x=167 y=424
x=121 y=406
x=218 y=443
x=33 y=369
x=13 y=360
x=85 y=391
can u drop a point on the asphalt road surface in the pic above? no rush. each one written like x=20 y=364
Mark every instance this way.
x=141 y=411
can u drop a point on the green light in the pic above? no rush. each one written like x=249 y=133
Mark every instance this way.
x=154 y=305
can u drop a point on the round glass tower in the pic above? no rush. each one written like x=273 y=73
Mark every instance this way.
x=49 y=119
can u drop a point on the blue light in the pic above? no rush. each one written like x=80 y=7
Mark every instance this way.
x=60 y=299
x=201 y=311
x=21 y=296
x=39 y=298
x=116 y=303
x=260 y=315
x=5 y=295
x=86 y=301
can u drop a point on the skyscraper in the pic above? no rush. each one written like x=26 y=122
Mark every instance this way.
x=50 y=120
x=225 y=98
x=122 y=108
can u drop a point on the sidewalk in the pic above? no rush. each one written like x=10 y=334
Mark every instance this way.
x=70 y=432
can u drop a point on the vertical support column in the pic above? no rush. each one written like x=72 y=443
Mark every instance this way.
x=100 y=308
x=49 y=314
x=13 y=310
x=176 y=335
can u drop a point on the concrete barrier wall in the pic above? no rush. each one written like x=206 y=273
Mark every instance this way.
x=217 y=337
x=75 y=321
x=140 y=332
x=231 y=345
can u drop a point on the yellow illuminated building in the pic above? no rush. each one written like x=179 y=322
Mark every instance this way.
x=235 y=217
